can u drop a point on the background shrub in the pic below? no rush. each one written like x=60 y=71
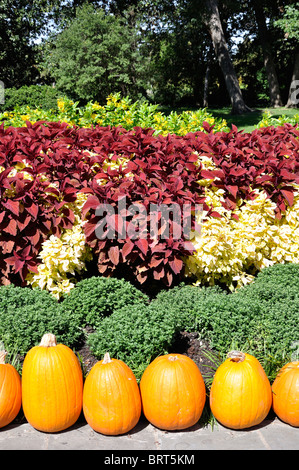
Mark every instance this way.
x=33 y=96
x=26 y=314
x=94 y=298
x=282 y=275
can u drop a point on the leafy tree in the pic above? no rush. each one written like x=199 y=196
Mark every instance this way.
x=95 y=55
x=20 y=22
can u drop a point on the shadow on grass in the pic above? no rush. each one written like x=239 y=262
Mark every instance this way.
x=249 y=121
x=246 y=122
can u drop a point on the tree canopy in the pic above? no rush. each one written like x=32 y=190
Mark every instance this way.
x=175 y=52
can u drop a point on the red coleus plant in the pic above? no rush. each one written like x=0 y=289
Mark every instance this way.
x=160 y=174
x=57 y=161
x=267 y=158
x=33 y=201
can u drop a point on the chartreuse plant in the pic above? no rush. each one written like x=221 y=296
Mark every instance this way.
x=117 y=111
x=63 y=258
x=269 y=120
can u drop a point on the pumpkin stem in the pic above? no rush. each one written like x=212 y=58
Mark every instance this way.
x=236 y=356
x=106 y=359
x=2 y=357
x=172 y=358
x=48 y=340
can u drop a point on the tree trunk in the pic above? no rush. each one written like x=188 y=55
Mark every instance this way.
x=213 y=22
x=274 y=90
x=206 y=86
x=207 y=78
x=293 y=99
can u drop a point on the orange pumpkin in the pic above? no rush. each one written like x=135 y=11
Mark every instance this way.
x=10 y=392
x=285 y=390
x=52 y=386
x=111 y=397
x=173 y=392
x=240 y=395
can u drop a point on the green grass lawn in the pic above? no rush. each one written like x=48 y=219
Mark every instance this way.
x=249 y=121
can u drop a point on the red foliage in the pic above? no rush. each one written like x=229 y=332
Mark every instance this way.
x=267 y=158
x=160 y=170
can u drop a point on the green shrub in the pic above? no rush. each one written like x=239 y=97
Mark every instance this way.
x=136 y=334
x=221 y=318
x=276 y=289
x=97 y=297
x=18 y=297
x=283 y=275
x=185 y=300
x=26 y=314
x=33 y=96
x=261 y=318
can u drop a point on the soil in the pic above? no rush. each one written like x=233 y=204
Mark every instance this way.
x=187 y=343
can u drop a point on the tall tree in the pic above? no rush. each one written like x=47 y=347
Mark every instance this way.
x=265 y=42
x=20 y=22
x=95 y=55
x=213 y=22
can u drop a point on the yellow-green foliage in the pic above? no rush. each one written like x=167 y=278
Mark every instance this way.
x=116 y=112
x=63 y=257
x=269 y=120
x=227 y=249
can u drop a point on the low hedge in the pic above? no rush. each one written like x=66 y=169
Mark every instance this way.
x=261 y=318
x=32 y=97
x=97 y=297
x=136 y=334
x=26 y=314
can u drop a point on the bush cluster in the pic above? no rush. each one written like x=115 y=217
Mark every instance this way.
x=261 y=318
x=97 y=297
x=26 y=314
x=33 y=97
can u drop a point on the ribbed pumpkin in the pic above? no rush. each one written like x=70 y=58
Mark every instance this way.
x=52 y=386
x=173 y=392
x=10 y=391
x=111 y=397
x=240 y=395
x=285 y=390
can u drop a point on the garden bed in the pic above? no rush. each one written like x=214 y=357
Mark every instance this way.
x=186 y=342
